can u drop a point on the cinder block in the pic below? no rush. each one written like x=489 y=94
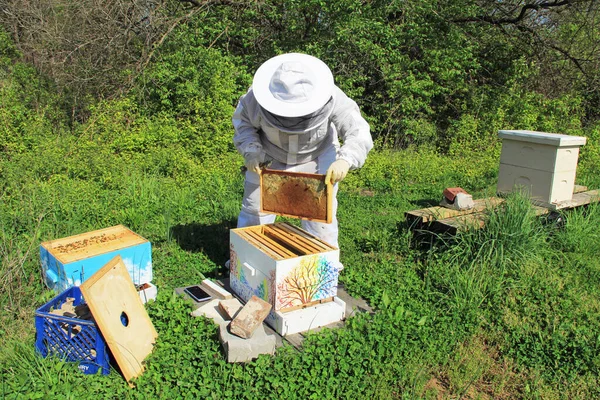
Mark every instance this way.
x=230 y=307
x=237 y=349
x=250 y=317
x=244 y=350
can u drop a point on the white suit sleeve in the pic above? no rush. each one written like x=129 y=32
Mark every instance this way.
x=353 y=129
x=246 y=137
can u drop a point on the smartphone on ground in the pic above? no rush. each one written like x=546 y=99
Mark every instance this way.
x=197 y=293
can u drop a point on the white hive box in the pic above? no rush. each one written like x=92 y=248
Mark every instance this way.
x=542 y=164
x=294 y=271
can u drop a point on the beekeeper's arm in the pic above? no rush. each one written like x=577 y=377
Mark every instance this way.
x=355 y=133
x=246 y=138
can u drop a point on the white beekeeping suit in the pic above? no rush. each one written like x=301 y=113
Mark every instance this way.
x=294 y=116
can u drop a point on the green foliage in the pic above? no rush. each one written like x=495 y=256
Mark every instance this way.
x=195 y=85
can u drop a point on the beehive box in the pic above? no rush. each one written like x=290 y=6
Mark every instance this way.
x=72 y=339
x=70 y=261
x=542 y=164
x=291 y=269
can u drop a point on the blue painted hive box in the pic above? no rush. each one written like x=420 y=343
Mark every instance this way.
x=70 y=261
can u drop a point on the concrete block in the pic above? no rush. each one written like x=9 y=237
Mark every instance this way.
x=237 y=349
x=244 y=350
x=211 y=309
x=230 y=307
x=250 y=317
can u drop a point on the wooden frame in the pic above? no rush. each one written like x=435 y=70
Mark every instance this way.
x=282 y=241
x=296 y=194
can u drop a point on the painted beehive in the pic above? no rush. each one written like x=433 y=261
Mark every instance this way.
x=543 y=164
x=287 y=267
x=70 y=261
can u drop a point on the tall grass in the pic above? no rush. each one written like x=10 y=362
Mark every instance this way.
x=480 y=264
x=580 y=233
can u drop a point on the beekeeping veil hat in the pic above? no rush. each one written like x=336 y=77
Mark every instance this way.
x=293 y=85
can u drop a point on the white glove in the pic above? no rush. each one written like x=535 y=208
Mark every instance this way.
x=337 y=171
x=253 y=164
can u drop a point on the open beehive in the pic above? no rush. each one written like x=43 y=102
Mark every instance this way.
x=294 y=271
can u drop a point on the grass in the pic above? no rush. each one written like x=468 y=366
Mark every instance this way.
x=506 y=312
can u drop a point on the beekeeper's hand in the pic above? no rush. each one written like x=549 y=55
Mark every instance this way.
x=253 y=164
x=337 y=171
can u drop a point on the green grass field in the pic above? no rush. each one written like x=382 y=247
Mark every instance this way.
x=511 y=311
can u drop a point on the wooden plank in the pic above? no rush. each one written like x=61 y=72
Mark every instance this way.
x=291 y=237
x=259 y=245
x=296 y=194
x=90 y=244
x=579 y=189
x=305 y=305
x=584 y=198
x=463 y=223
x=430 y=214
x=460 y=223
x=120 y=316
x=287 y=241
x=295 y=340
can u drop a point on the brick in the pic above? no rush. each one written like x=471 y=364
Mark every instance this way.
x=230 y=307
x=450 y=193
x=250 y=317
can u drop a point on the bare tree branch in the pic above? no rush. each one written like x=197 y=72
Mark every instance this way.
x=513 y=20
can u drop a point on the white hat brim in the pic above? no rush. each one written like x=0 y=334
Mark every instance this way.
x=323 y=87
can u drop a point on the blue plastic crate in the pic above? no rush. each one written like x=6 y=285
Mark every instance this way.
x=71 y=339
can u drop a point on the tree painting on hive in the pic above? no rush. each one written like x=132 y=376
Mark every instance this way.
x=314 y=278
x=235 y=267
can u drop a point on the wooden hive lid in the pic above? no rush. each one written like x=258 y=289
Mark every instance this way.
x=296 y=194
x=121 y=316
x=90 y=244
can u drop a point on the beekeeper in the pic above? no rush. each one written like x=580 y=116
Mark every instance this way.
x=294 y=117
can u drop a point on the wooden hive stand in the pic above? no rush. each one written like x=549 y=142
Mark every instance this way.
x=441 y=219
